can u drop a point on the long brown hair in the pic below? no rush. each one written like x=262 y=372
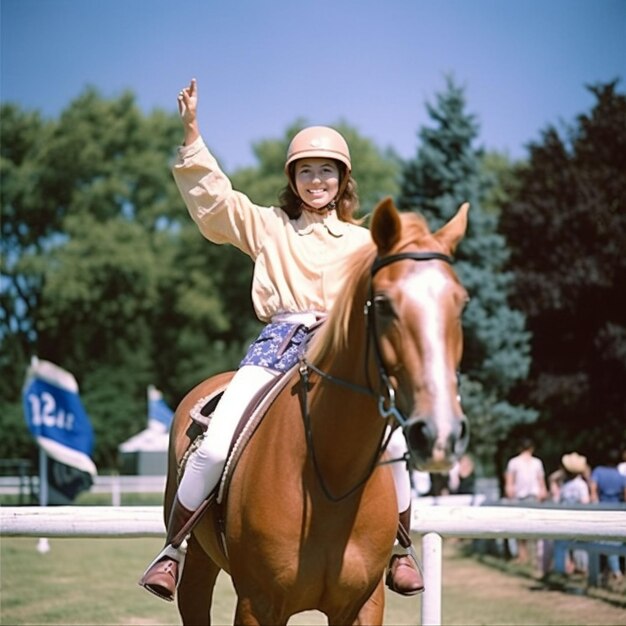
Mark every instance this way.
x=347 y=204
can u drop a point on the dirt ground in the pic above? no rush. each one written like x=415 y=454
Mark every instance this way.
x=493 y=592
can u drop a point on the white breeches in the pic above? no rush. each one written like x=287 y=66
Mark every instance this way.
x=205 y=465
x=397 y=449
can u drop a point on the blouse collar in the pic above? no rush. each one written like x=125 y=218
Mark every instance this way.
x=307 y=220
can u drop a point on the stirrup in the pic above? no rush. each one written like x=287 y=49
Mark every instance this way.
x=175 y=554
x=411 y=554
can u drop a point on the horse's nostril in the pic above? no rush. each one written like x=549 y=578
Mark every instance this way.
x=419 y=437
x=422 y=441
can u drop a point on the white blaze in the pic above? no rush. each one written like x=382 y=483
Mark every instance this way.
x=426 y=287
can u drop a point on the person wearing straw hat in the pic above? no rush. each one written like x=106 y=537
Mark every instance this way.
x=568 y=485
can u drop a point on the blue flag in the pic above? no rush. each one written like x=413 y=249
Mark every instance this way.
x=159 y=414
x=55 y=416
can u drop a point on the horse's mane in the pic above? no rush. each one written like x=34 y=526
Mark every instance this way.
x=333 y=335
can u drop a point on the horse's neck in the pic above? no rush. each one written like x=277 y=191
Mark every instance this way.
x=346 y=423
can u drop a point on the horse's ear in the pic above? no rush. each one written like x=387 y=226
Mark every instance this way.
x=385 y=226
x=450 y=234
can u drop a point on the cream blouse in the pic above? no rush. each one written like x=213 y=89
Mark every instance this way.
x=297 y=263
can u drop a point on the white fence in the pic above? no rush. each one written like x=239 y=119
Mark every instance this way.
x=116 y=485
x=431 y=522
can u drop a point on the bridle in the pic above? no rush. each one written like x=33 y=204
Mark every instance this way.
x=387 y=408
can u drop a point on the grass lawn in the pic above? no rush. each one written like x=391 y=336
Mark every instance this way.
x=94 y=581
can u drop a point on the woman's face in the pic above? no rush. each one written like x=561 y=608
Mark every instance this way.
x=317 y=181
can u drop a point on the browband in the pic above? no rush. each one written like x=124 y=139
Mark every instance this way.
x=379 y=263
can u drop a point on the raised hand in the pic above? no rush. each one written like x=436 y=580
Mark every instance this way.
x=188 y=101
x=187 y=106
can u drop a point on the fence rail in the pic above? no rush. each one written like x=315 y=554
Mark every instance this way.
x=101 y=484
x=471 y=522
x=27 y=486
x=432 y=523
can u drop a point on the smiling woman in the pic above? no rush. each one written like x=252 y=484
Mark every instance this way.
x=319 y=170
x=299 y=250
x=317 y=182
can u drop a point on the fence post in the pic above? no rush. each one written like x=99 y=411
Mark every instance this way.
x=432 y=558
x=116 y=490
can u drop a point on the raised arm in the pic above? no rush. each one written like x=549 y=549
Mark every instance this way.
x=187 y=107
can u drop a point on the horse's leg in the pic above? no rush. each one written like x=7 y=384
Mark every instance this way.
x=195 y=591
x=249 y=613
x=244 y=615
x=373 y=611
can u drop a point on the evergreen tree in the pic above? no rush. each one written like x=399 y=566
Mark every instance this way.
x=446 y=172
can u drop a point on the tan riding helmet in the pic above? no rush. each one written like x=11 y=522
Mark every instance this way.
x=318 y=141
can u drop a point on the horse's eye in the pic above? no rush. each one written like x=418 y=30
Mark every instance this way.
x=383 y=306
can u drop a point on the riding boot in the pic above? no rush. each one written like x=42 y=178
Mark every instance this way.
x=404 y=576
x=161 y=577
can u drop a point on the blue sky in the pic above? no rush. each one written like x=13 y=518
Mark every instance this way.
x=263 y=64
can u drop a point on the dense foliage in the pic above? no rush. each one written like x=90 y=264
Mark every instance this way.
x=566 y=227
x=104 y=273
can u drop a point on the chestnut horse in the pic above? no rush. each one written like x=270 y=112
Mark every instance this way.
x=311 y=515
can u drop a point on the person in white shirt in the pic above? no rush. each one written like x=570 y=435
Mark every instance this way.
x=525 y=482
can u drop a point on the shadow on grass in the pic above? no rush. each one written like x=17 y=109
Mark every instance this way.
x=575 y=584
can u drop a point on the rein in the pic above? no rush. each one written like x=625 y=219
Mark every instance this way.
x=386 y=401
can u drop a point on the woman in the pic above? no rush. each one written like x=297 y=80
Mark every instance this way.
x=568 y=485
x=298 y=251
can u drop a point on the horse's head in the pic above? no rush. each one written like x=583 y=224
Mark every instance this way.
x=416 y=303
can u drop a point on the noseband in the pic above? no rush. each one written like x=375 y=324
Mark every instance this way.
x=386 y=399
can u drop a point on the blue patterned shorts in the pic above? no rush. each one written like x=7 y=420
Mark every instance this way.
x=278 y=347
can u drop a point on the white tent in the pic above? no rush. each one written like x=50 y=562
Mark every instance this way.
x=146 y=452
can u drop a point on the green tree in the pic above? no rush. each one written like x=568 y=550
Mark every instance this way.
x=566 y=225
x=105 y=274
x=20 y=170
x=448 y=170
x=94 y=264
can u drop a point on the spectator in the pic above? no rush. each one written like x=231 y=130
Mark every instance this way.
x=439 y=484
x=621 y=468
x=608 y=485
x=525 y=482
x=568 y=485
x=420 y=483
x=461 y=479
